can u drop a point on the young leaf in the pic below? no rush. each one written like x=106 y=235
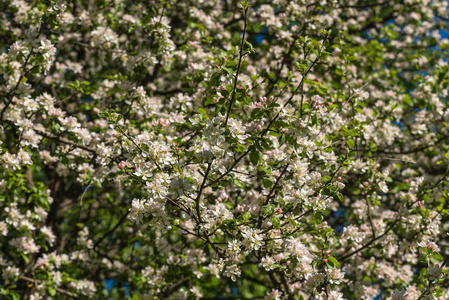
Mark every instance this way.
x=255 y=157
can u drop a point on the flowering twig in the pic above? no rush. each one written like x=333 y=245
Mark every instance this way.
x=62 y=291
x=345 y=257
x=236 y=78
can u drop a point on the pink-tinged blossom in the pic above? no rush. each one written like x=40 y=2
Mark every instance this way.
x=25 y=245
x=49 y=235
x=274 y=294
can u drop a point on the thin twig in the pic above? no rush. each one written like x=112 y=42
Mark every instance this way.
x=122 y=219
x=370 y=242
x=197 y=200
x=64 y=140
x=62 y=291
x=241 y=54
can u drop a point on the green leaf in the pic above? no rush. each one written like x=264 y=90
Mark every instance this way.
x=25 y=258
x=267 y=209
x=231 y=68
x=178 y=168
x=265 y=144
x=274 y=133
x=250 y=47
x=239 y=184
x=339 y=196
x=351 y=143
x=239 y=148
x=256 y=113
x=317 y=218
x=407 y=100
x=247 y=216
x=104 y=114
x=437 y=256
x=35 y=70
x=334 y=261
x=229 y=205
x=276 y=222
x=202 y=111
x=57 y=127
x=301 y=67
x=255 y=157
x=215 y=78
x=267 y=183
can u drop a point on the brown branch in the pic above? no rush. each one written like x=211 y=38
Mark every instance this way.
x=64 y=140
x=62 y=291
x=241 y=54
x=197 y=200
x=137 y=146
x=10 y=94
x=370 y=242
x=122 y=219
